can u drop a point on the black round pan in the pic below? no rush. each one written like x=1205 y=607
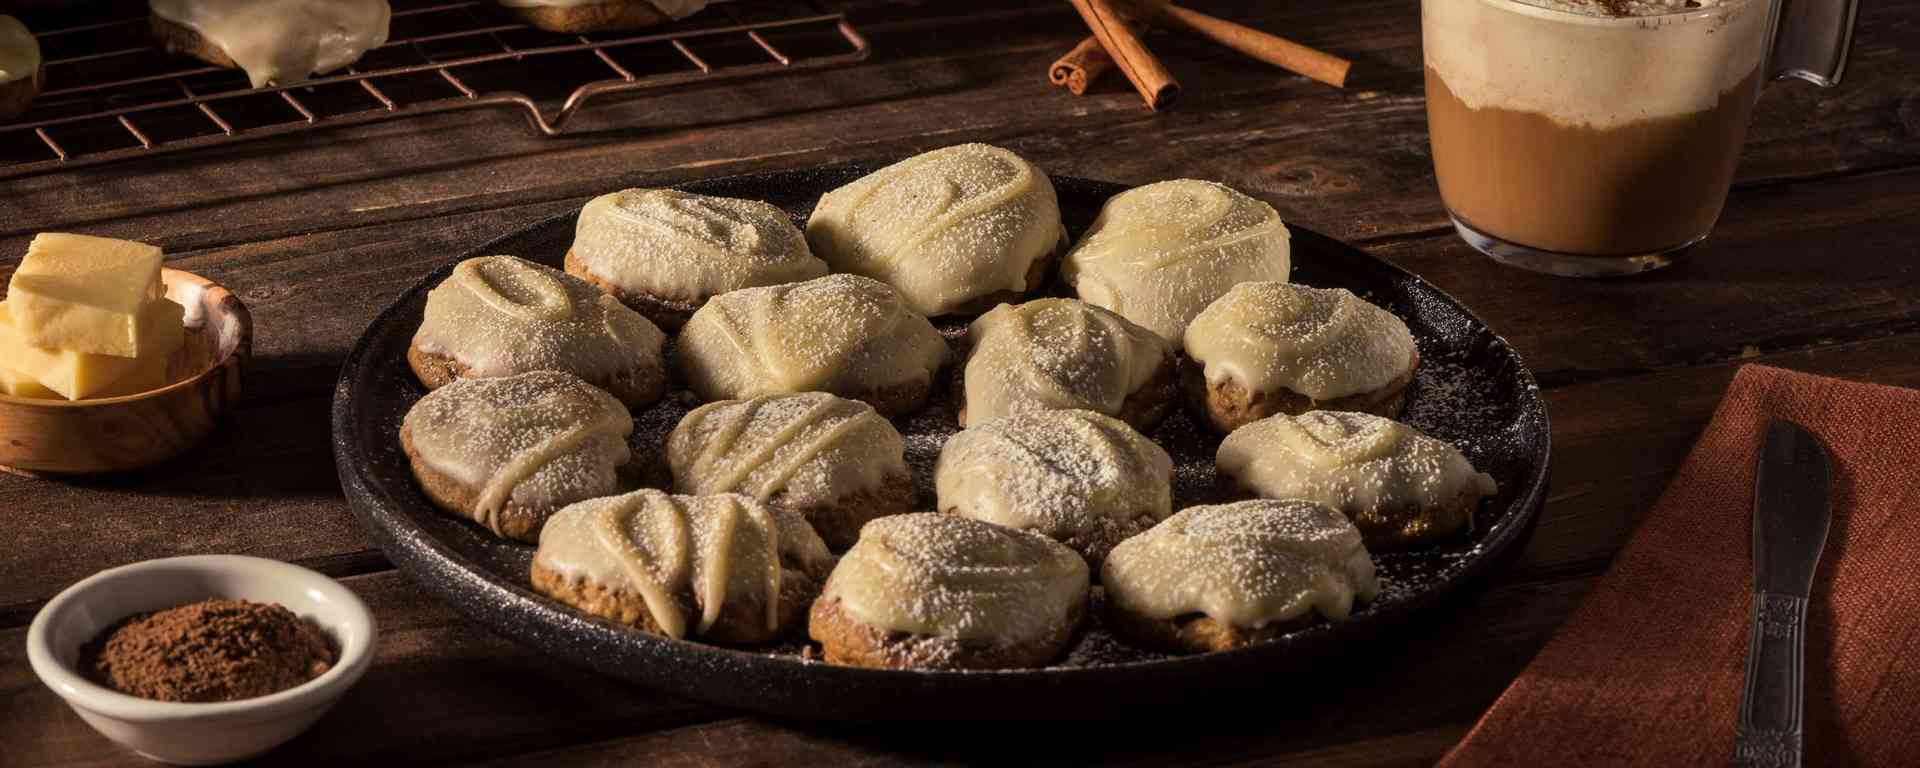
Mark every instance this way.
x=1471 y=389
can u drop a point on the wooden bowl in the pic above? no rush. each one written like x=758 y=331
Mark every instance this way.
x=112 y=434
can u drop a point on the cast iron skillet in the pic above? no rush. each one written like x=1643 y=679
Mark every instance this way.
x=1471 y=389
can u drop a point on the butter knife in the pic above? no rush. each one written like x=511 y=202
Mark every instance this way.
x=1792 y=506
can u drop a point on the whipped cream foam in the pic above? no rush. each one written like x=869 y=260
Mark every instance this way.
x=1581 y=63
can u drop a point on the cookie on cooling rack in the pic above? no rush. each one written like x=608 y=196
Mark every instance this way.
x=1269 y=347
x=581 y=16
x=1219 y=577
x=500 y=316
x=273 y=41
x=936 y=591
x=21 y=70
x=509 y=452
x=721 y=568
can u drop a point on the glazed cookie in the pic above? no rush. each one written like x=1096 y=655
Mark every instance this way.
x=955 y=230
x=1159 y=254
x=1267 y=348
x=273 y=41
x=507 y=453
x=835 y=462
x=1401 y=488
x=1080 y=478
x=1062 y=353
x=723 y=568
x=21 y=71
x=499 y=315
x=1218 y=577
x=578 y=16
x=664 y=252
x=844 y=334
x=935 y=591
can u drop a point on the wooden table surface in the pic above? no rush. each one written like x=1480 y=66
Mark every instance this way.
x=1815 y=265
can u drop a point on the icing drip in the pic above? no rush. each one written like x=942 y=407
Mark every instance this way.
x=947 y=576
x=672 y=9
x=1057 y=353
x=542 y=439
x=944 y=227
x=284 y=40
x=1075 y=476
x=662 y=546
x=1245 y=565
x=681 y=246
x=19 y=51
x=1159 y=254
x=1322 y=343
x=839 y=333
x=501 y=315
x=813 y=447
x=1354 y=462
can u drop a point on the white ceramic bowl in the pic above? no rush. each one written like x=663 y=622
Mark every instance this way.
x=198 y=734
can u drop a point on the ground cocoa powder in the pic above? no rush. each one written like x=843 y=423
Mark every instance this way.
x=214 y=650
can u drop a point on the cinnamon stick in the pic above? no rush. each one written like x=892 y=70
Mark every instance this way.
x=1272 y=49
x=1081 y=66
x=1122 y=42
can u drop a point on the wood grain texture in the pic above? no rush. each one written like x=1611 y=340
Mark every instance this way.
x=1813 y=267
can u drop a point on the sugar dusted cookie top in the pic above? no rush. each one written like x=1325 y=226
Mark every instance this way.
x=542 y=439
x=1056 y=353
x=1355 y=462
x=1246 y=565
x=718 y=548
x=682 y=246
x=945 y=228
x=1322 y=343
x=813 y=447
x=501 y=315
x=840 y=333
x=947 y=576
x=1159 y=254
x=1076 y=476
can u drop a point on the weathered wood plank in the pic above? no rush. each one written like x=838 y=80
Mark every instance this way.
x=1353 y=162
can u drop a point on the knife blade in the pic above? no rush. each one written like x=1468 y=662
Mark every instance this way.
x=1792 y=509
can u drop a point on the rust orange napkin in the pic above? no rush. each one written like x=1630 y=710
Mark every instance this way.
x=1648 y=670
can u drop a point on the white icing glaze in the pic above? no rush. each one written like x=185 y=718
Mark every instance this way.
x=1057 y=353
x=945 y=227
x=501 y=315
x=1159 y=254
x=284 y=40
x=1353 y=462
x=681 y=246
x=542 y=439
x=1076 y=476
x=1322 y=343
x=1246 y=565
x=812 y=447
x=942 y=575
x=672 y=9
x=19 y=51
x=844 y=334
x=660 y=546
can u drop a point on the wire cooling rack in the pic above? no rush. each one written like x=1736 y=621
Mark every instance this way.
x=112 y=94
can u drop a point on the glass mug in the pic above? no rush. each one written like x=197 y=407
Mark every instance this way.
x=1570 y=140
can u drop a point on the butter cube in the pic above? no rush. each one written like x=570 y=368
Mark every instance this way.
x=76 y=375
x=18 y=384
x=85 y=294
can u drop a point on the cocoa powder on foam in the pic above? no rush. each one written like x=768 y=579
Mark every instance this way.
x=213 y=650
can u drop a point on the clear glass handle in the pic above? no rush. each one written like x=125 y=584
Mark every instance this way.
x=1810 y=40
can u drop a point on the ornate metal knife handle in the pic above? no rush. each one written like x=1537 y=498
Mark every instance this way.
x=1771 y=705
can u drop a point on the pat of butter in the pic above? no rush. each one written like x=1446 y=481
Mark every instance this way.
x=76 y=375
x=18 y=384
x=85 y=294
